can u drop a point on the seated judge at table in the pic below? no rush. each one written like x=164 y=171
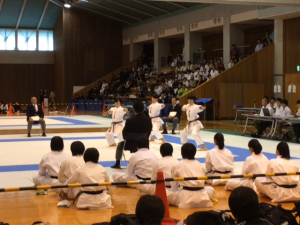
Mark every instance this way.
x=35 y=115
x=262 y=125
x=174 y=114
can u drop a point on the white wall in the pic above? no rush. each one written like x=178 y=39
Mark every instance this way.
x=26 y=57
x=199 y=15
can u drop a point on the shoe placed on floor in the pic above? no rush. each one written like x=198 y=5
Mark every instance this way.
x=44 y=135
x=116 y=166
x=165 y=132
x=173 y=132
x=28 y=135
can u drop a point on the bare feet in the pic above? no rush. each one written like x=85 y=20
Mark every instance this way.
x=152 y=139
x=203 y=148
x=163 y=141
x=113 y=145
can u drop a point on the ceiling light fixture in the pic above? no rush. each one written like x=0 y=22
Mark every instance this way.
x=67 y=5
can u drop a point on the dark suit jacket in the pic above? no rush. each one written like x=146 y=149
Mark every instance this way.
x=177 y=109
x=134 y=127
x=31 y=112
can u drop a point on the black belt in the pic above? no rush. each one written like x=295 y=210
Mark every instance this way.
x=189 y=122
x=88 y=193
x=114 y=123
x=282 y=185
x=154 y=117
x=192 y=188
x=168 y=186
x=54 y=177
x=141 y=178
x=225 y=172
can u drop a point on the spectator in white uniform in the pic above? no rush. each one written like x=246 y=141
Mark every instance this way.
x=154 y=112
x=194 y=125
x=191 y=193
x=256 y=163
x=68 y=168
x=259 y=45
x=94 y=197
x=165 y=164
x=278 y=109
x=213 y=71
x=219 y=161
x=280 y=188
x=140 y=163
x=51 y=162
x=262 y=125
x=117 y=113
x=285 y=112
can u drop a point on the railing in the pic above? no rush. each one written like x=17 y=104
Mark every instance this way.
x=256 y=69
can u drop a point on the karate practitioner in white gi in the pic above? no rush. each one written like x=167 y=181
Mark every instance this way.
x=219 y=161
x=280 y=188
x=117 y=125
x=140 y=163
x=50 y=163
x=256 y=163
x=68 y=168
x=165 y=164
x=194 y=125
x=192 y=193
x=95 y=197
x=154 y=111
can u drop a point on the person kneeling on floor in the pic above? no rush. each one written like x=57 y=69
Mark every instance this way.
x=140 y=163
x=95 y=197
x=68 y=167
x=50 y=163
x=191 y=193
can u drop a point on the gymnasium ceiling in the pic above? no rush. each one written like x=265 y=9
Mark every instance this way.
x=43 y=14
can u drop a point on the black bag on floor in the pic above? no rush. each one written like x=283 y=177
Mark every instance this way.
x=277 y=215
x=221 y=217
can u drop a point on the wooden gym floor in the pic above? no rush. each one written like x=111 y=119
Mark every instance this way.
x=25 y=207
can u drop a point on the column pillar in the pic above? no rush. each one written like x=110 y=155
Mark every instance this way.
x=278 y=54
x=192 y=42
x=161 y=48
x=226 y=40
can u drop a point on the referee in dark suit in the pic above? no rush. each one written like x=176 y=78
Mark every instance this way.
x=35 y=110
x=135 y=127
x=174 y=107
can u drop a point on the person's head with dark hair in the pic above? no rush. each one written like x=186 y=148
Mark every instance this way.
x=174 y=100
x=219 y=140
x=191 y=99
x=254 y=146
x=57 y=144
x=142 y=143
x=166 y=149
x=264 y=101
x=298 y=104
x=244 y=204
x=258 y=41
x=278 y=102
x=283 y=150
x=284 y=103
x=155 y=98
x=77 y=148
x=188 y=151
x=118 y=102
x=91 y=155
x=232 y=46
x=150 y=210
x=205 y=218
x=272 y=100
x=270 y=41
x=138 y=107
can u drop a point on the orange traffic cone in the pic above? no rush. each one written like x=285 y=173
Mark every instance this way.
x=10 y=111
x=43 y=108
x=104 y=109
x=161 y=192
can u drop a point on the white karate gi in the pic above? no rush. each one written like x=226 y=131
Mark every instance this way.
x=140 y=164
x=186 y=199
x=271 y=189
x=192 y=128
x=154 y=111
x=91 y=173
x=214 y=73
x=286 y=111
x=219 y=160
x=164 y=164
x=254 y=164
x=67 y=169
x=49 y=166
x=117 y=116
